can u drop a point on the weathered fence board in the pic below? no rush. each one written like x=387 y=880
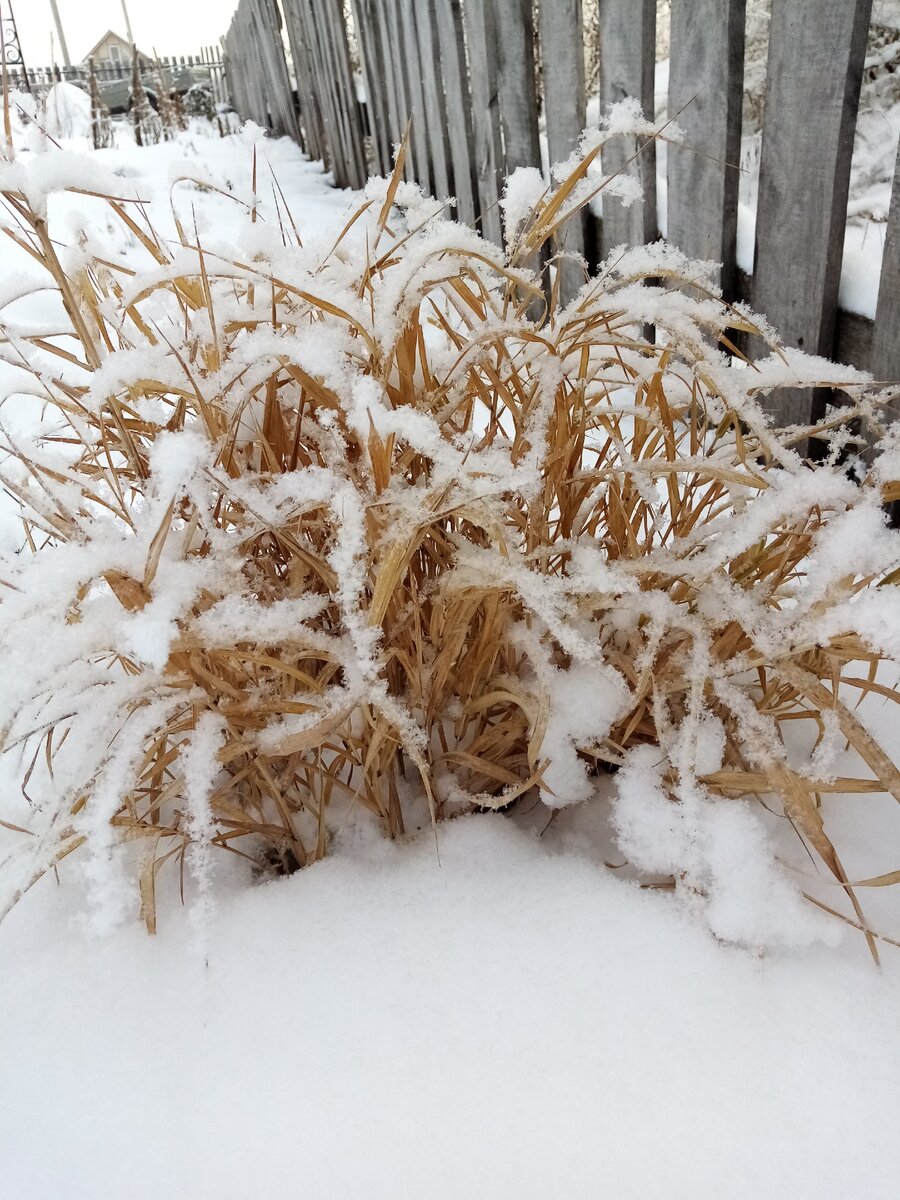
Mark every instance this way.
x=816 y=56
x=261 y=81
x=396 y=117
x=516 y=84
x=448 y=14
x=885 y=361
x=316 y=24
x=627 y=61
x=329 y=117
x=562 y=61
x=394 y=49
x=278 y=92
x=368 y=42
x=313 y=94
x=306 y=131
x=435 y=116
x=247 y=85
x=311 y=116
x=409 y=45
x=481 y=44
x=332 y=88
x=352 y=162
x=382 y=107
x=706 y=76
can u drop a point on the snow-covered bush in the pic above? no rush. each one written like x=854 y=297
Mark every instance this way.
x=67 y=111
x=311 y=529
x=200 y=102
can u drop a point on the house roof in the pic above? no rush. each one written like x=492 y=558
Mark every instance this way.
x=110 y=33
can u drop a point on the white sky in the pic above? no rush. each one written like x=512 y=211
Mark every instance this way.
x=171 y=26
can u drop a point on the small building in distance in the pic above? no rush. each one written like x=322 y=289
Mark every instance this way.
x=114 y=51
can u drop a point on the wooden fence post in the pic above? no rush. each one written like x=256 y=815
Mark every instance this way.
x=885 y=358
x=370 y=59
x=435 y=114
x=409 y=49
x=627 y=67
x=885 y=361
x=816 y=55
x=562 y=61
x=311 y=117
x=481 y=43
x=456 y=92
x=399 y=67
x=706 y=83
x=516 y=84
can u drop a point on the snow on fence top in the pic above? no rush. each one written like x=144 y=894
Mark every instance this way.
x=481 y=82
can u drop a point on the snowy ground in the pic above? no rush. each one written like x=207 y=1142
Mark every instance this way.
x=512 y=1023
x=507 y=1019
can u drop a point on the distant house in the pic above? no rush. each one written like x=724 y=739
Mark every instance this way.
x=113 y=51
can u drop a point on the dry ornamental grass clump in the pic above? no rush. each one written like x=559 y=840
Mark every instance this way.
x=308 y=532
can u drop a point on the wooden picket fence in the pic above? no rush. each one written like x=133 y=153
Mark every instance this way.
x=481 y=79
x=206 y=67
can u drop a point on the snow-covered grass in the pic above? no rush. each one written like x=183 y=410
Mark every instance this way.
x=316 y=528
x=568 y=521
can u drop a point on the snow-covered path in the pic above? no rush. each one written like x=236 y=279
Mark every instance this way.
x=511 y=1020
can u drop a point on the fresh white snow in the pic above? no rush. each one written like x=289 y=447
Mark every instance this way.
x=513 y=1021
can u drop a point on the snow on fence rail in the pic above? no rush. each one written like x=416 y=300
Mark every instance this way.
x=477 y=77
